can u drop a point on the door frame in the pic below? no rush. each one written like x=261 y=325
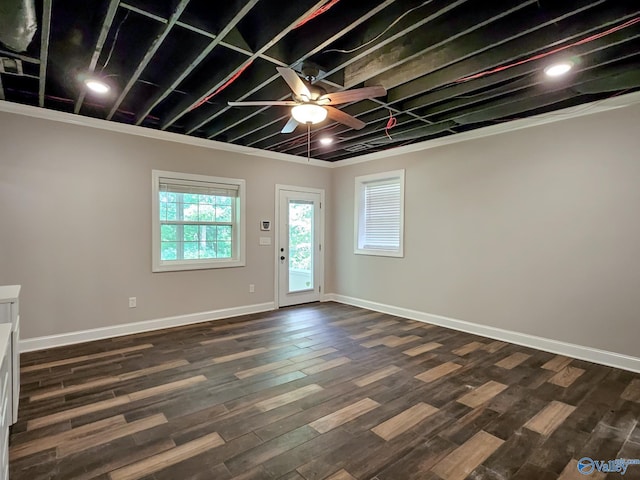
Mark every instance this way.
x=276 y=235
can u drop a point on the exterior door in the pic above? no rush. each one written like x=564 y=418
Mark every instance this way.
x=299 y=249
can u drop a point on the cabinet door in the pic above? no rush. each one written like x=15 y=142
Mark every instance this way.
x=15 y=374
x=5 y=416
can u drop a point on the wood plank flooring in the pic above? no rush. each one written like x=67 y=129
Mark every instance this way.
x=320 y=391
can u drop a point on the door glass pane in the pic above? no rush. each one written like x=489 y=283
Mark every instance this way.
x=301 y=234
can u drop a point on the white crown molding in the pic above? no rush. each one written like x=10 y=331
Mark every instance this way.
x=51 y=341
x=581 y=352
x=599 y=106
x=64 y=117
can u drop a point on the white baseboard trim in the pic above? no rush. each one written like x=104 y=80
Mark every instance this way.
x=589 y=354
x=41 y=343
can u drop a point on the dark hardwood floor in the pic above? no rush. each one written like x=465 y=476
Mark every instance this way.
x=322 y=391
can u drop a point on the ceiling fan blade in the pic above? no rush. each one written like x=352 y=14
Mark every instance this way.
x=344 y=118
x=352 y=95
x=295 y=82
x=287 y=103
x=290 y=126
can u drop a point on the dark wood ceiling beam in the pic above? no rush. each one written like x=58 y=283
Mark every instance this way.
x=204 y=33
x=613 y=79
x=542 y=94
x=477 y=16
x=515 y=105
x=301 y=11
x=486 y=39
x=427 y=13
x=148 y=56
x=375 y=126
x=467 y=89
x=312 y=44
x=44 y=49
x=102 y=37
x=551 y=16
x=378 y=140
x=328 y=29
x=552 y=35
x=579 y=74
x=19 y=56
x=486 y=110
x=505 y=108
x=439 y=10
x=186 y=70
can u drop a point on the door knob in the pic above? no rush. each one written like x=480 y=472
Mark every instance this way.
x=282 y=257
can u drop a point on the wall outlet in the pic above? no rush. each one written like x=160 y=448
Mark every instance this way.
x=252 y=288
x=133 y=302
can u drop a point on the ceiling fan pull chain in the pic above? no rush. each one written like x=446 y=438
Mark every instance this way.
x=308 y=143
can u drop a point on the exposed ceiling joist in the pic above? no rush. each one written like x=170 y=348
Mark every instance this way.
x=311 y=45
x=426 y=12
x=555 y=33
x=149 y=54
x=302 y=11
x=584 y=52
x=44 y=49
x=104 y=33
x=448 y=66
x=403 y=50
x=186 y=70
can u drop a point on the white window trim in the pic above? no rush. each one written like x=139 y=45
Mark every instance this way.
x=239 y=243
x=359 y=188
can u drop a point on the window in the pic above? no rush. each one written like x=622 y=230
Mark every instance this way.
x=379 y=214
x=198 y=221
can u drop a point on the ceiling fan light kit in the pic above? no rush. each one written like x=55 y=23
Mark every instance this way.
x=309 y=113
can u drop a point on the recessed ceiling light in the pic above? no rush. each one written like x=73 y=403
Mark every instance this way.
x=326 y=141
x=97 y=86
x=558 y=69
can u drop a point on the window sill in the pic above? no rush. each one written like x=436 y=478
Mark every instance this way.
x=379 y=253
x=185 y=266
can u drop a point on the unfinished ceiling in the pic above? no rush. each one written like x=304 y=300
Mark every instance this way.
x=448 y=66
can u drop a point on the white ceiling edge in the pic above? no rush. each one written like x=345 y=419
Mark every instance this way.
x=598 y=106
x=64 y=117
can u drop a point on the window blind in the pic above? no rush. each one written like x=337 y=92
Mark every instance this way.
x=382 y=215
x=198 y=188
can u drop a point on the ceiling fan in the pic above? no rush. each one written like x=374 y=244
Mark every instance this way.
x=312 y=104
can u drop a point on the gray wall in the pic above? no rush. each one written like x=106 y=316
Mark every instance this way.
x=75 y=225
x=535 y=231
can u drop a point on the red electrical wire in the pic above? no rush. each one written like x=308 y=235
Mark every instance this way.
x=393 y=121
x=229 y=82
x=546 y=54
x=317 y=13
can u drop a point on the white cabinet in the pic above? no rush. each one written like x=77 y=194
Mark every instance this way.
x=5 y=398
x=10 y=314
